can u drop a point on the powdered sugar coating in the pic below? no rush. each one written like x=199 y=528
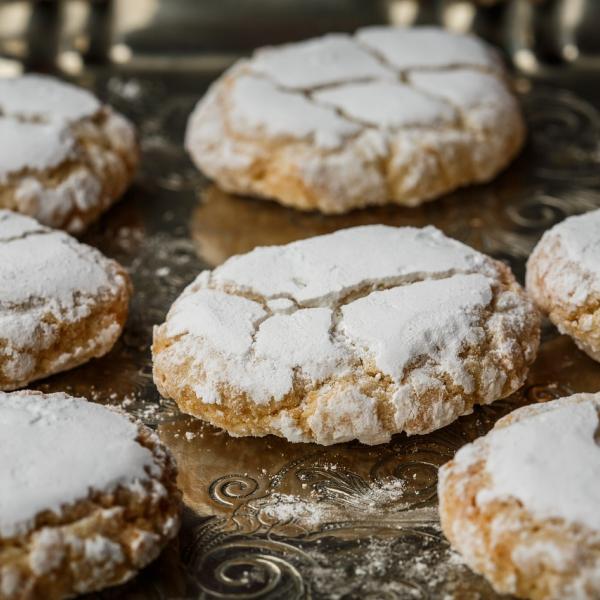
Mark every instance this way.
x=34 y=97
x=431 y=318
x=580 y=237
x=32 y=265
x=56 y=449
x=319 y=326
x=325 y=268
x=87 y=496
x=387 y=104
x=32 y=146
x=526 y=459
x=39 y=294
x=258 y=106
x=333 y=58
x=431 y=47
x=339 y=122
x=465 y=88
x=35 y=112
x=481 y=98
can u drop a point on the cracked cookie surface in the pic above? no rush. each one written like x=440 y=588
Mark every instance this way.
x=61 y=302
x=521 y=503
x=87 y=496
x=359 y=334
x=65 y=157
x=563 y=277
x=342 y=122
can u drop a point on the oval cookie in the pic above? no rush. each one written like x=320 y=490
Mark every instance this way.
x=61 y=302
x=359 y=334
x=521 y=503
x=65 y=157
x=563 y=277
x=87 y=497
x=341 y=122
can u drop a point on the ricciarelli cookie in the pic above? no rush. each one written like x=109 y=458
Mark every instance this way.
x=87 y=497
x=61 y=302
x=65 y=157
x=358 y=334
x=389 y=115
x=521 y=503
x=563 y=277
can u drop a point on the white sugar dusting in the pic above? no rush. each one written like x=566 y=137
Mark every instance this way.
x=42 y=97
x=260 y=107
x=313 y=511
x=55 y=449
x=526 y=459
x=333 y=58
x=581 y=238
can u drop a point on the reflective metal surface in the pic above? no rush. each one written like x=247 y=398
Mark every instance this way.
x=265 y=518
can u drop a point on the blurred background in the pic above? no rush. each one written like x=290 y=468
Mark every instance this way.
x=71 y=35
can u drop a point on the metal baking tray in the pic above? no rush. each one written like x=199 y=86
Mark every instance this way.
x=264 y=518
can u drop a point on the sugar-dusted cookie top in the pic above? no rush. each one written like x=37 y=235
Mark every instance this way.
x=42 y=98
x=579 y=236
x=533 y=449
x=39 y=265
x=57 y=450
x=331 y=59
x=427 y=47
x=65 y=157
x=35 y=113
x=44 y=271
x=327 y=267
x=344 y=121
x=35 y=146
x=390 y=311
x=382 y=77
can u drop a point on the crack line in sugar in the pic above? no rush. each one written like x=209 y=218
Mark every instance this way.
x=25 y=235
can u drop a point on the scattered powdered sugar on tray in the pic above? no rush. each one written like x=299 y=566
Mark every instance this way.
x=288 y=508
x=429 y=569
x=317 y=509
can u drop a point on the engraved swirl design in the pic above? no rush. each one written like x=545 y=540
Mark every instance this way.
x=228 y=489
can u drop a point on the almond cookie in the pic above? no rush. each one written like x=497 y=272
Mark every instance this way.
x=358 y=334
x=61 y=302
x=87 y=497
x=521 y=503
x=340 y=122
x=563 y=277
x=65 y=157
